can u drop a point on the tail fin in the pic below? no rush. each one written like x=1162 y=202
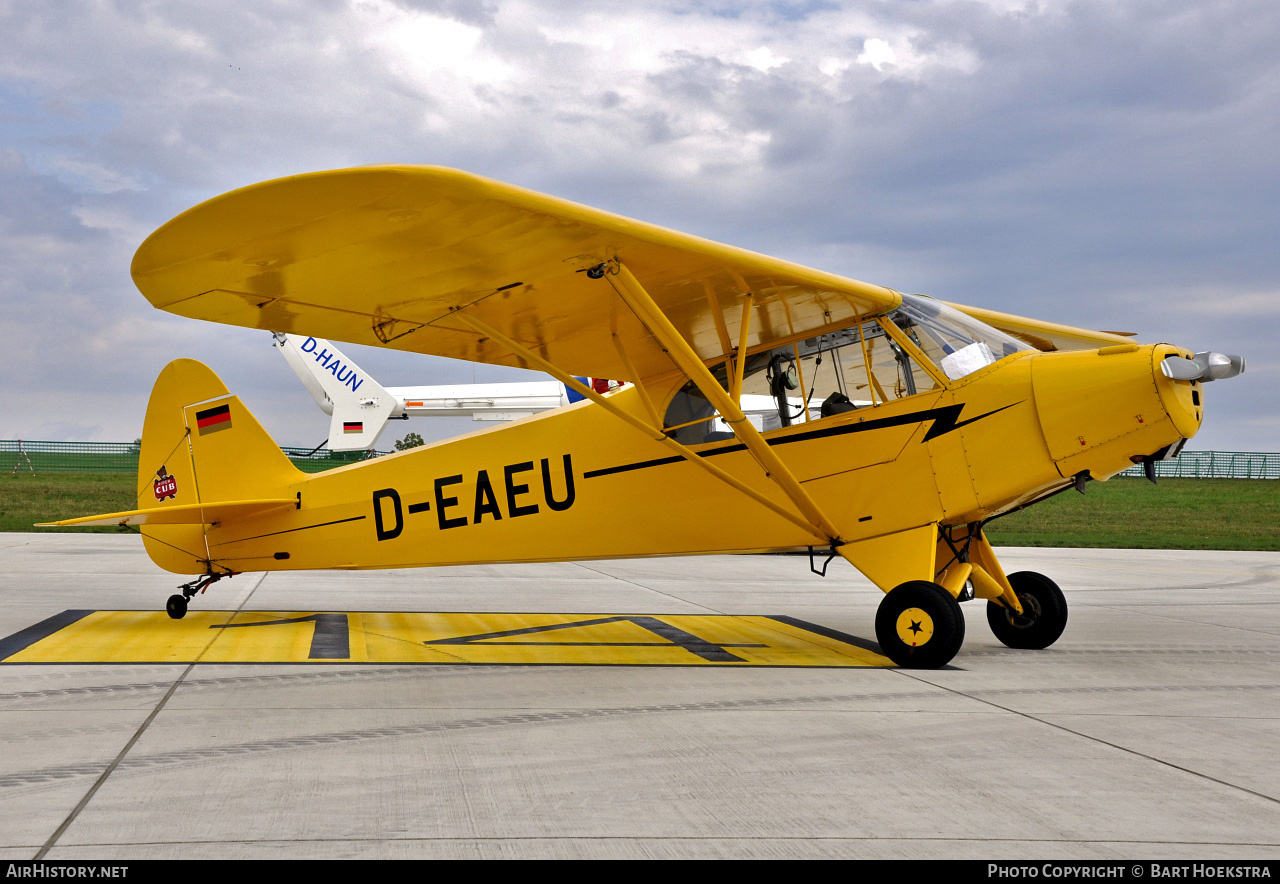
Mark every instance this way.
x=200 y=445
x=359 y=405
x=204 y=460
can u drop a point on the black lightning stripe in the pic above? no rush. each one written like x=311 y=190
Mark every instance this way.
x=944 y=420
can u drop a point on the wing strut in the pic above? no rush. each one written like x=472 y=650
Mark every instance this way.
x=739 y=361
x=651 y=315
x=652 y=432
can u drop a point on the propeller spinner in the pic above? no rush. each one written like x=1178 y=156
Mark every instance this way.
x=1204 y=367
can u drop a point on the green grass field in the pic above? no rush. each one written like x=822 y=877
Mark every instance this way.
x=1134 y=514
x=26 y=499
x=1125 y=513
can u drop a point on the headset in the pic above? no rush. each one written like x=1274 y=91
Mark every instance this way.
x=782 y=376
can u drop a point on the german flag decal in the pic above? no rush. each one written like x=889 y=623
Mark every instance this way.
x=353 y=426
x=214 y=419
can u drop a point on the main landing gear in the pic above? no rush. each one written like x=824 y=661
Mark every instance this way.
x=920 y=625
x=1043 y=617
x=176 y=606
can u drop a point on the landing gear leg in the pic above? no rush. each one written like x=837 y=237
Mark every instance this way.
x=176 y=606
x=1025 y=609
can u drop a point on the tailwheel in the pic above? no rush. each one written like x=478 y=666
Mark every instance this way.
x=176 y=606
x=1043 y=617
x=919 y=625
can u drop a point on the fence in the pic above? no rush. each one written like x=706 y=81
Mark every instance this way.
x=1217 y=465
x=122 y=457
x=18 y=455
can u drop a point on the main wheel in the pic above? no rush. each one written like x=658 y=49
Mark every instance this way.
x=1043 y=617
x=176 y=606
x=919 y=625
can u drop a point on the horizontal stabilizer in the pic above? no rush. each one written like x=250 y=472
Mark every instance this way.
x=185 y=514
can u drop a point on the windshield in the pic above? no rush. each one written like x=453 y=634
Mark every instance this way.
x=956 y=342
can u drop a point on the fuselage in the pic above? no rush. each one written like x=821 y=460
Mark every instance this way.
x=578 y=483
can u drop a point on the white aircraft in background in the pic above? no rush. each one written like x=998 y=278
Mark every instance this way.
x=360 y=407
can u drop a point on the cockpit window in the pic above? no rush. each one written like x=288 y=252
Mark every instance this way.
x=829 y=374
x=845 y=370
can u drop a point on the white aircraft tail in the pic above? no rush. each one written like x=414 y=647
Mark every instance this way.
x=359 y=406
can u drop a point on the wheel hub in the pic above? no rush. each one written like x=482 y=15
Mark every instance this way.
x=1030 y=612
x=915 y=627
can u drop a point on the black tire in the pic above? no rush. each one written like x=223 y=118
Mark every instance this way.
x=1044 y=614
x=919 y=642
x=176 y=606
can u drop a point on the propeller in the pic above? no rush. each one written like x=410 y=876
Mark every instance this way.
x=1204 y=367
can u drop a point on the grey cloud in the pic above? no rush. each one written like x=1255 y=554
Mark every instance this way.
x=36 y=205
x=1098 y=163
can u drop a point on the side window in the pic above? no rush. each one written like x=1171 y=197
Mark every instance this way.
x=688 y=418
x=831 y=374
x=771 y=398
x=835 y=374
x=838 y=367
x=896 y=373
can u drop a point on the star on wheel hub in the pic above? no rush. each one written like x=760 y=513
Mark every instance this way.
x=915 y=627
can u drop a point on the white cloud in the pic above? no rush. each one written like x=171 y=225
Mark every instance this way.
x=762 y=58
x=97 y=176
x=877 y=53
x=1238 y=304
x=834 y=67
x=429 y=50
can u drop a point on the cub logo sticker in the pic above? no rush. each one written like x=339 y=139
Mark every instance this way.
x=165 y=486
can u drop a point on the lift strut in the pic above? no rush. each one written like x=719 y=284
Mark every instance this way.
x=684 y=356
x=649 y=430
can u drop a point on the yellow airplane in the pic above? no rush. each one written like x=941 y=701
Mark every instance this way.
x=904 y=423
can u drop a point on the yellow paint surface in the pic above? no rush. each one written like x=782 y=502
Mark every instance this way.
x=425 y=241
x=396 y=637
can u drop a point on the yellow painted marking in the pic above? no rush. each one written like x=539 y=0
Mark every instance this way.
x=915 y=627
x=398 y=637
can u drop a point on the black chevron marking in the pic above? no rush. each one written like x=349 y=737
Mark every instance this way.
x=944 y=420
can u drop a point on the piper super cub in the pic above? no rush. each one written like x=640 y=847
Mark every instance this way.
x=903 y=424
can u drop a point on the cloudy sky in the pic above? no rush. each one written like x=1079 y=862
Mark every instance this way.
x=1107 y=164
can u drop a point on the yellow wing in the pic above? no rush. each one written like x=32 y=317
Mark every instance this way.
x=1047 y=335
x=382 y=255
